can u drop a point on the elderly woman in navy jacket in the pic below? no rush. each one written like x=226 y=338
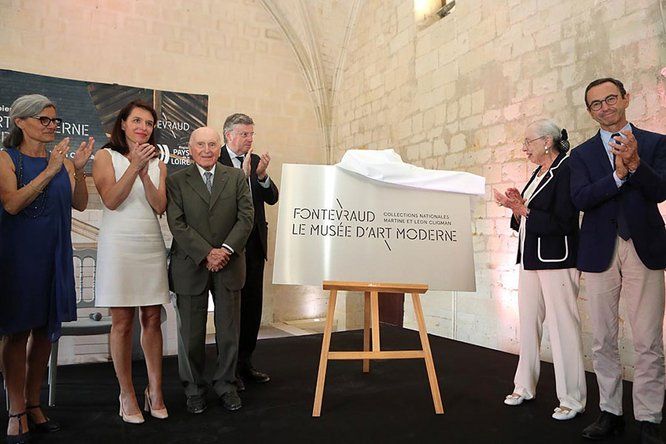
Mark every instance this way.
x=547 y=223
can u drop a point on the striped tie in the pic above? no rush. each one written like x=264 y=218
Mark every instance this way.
x=209 y=180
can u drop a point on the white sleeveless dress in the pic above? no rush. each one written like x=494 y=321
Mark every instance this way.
x=131 y=255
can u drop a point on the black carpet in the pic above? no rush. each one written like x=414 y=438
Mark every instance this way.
x=392 y=404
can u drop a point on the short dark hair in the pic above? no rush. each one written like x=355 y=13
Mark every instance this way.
x=117 y=141
x=598 y=82
x=235 y=119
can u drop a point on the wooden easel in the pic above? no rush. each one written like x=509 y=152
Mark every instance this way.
x=371 y=313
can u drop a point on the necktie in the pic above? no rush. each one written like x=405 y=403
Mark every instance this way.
x=613 y=136
x=622 y=225
x=209 y=180
x=241 y=159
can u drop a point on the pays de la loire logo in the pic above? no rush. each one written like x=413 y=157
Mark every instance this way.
x=165 y=153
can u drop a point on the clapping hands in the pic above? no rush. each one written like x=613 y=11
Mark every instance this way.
x=140 y=155
x=262 y=166
x=512 y=200
x=626 y=153
x=247 y=163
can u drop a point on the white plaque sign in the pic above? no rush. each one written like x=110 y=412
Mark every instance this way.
x=338 y=225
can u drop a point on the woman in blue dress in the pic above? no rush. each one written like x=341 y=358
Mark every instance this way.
x=38 y=191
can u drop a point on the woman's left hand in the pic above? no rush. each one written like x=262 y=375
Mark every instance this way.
x=82 y=154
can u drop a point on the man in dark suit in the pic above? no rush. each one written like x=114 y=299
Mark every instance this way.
x=617 y=179
x=237 y=153
x=209 y=212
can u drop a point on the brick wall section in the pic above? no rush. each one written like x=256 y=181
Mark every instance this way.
x=457 y=95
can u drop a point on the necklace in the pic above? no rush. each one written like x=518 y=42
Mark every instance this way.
x=543 y=170
x=37 y=206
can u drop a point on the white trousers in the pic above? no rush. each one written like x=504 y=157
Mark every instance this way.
x=551 y=294
x=643 y=292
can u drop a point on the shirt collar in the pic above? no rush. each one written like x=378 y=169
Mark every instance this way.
x=232 y=155
x=202 y=171
x=606 y=135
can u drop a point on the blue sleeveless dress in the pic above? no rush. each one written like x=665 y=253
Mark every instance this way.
x=36 y=265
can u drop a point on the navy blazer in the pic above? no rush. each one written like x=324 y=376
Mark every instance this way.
x=593 y=191
x=551 y=230
x=260 y=195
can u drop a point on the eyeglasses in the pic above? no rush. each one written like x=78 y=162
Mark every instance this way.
x=597 y=104
x=46 y=121
x=526 y=142
x=245 y=134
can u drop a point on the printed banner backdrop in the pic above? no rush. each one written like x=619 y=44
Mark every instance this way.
x=90 y=109
x=338 y=225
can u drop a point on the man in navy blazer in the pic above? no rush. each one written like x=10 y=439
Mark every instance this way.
x=617 y=179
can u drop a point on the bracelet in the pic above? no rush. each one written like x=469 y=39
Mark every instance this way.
x=78 y=177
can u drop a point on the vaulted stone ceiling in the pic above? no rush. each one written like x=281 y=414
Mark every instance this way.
x=318 y=31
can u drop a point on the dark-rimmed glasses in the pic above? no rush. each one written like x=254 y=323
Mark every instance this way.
x=597 y=104
x=46 y=121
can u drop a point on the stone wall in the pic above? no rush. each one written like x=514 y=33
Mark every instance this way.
x=457 y=94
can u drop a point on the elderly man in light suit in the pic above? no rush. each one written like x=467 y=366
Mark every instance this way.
x=210 y=215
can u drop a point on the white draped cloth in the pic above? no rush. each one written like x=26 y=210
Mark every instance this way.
x=387 y=166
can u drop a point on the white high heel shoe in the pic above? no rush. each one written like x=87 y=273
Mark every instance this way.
x=148 y=407
x=131 y=419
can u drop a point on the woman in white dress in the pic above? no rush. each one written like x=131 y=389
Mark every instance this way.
x=131 y=255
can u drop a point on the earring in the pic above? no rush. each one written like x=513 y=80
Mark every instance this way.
x=546 y=149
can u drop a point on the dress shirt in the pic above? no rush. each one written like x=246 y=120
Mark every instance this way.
x=605 y=139
x=212 y=179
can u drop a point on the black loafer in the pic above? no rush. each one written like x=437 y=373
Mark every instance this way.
x=253 y=375
x=650 y=433
x=48 y=426
x=606 y=426
x=196 y=404
x=231 y=401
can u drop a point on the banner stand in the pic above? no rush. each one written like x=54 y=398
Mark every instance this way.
x=371 y=313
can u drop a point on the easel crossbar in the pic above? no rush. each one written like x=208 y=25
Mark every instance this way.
x=401 y=354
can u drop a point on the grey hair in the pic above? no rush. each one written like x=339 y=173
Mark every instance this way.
x=236 y=119
x=548 y=128
x=25 y=106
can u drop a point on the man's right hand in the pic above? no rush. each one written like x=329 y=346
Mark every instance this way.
x=247 y=163
x=217 y=259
